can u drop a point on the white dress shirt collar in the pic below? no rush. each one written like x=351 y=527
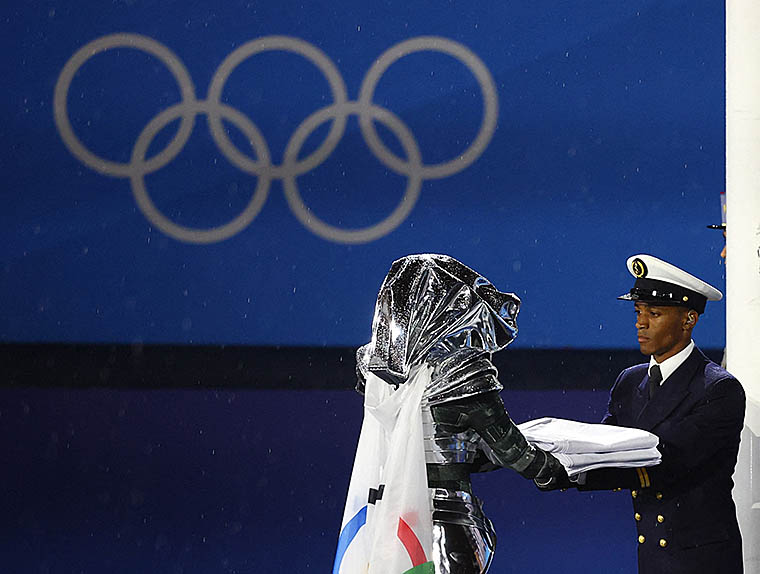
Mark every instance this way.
x=669 y=365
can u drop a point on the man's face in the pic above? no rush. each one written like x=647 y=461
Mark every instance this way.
x=662 y=330
x=723 y=253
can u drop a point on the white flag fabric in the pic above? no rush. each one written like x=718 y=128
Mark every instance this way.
x=586 y=446
x=387 y=522
x=576 y=463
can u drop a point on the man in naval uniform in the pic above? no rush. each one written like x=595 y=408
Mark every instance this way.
x=722 y=227
x=684 y=512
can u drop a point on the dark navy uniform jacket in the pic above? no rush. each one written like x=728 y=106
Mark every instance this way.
x=684 y=512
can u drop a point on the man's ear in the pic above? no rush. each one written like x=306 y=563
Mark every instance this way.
x=691 y=319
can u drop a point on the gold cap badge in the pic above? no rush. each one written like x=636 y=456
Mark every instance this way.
x=639 y=268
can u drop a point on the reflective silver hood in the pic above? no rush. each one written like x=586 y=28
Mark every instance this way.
x=434 y=305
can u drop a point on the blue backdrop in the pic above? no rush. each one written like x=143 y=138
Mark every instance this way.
x=570 y=134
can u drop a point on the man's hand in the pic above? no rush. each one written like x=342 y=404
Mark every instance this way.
x=553 y=476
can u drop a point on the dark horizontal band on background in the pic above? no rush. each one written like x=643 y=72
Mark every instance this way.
x=224 y=367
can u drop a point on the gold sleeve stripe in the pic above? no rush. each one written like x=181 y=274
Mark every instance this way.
x=641 y=477
x=646 y=477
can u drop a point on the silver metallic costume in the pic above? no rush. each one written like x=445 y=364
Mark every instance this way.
x=434 y=309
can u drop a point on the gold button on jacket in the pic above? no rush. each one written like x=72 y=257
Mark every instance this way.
x=634 y=493
x=660 y=518
x=659 y=496
x=663 y=542
x=641 y=539
x=637 y=516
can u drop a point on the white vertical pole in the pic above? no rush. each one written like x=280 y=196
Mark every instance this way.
x=743 y=252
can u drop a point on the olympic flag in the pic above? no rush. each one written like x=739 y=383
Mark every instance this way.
x=387 y=522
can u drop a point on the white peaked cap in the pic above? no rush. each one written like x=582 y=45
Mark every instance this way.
x=658 y=281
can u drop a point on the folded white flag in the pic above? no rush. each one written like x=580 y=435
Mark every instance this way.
x=586 y=446
x=562 y=435
x=581 y=462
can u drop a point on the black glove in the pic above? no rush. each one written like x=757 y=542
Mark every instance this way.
x=553 y=475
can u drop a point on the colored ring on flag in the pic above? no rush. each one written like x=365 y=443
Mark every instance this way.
x=347 y=536
x=411 y=543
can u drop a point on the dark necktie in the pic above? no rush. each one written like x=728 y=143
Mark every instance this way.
x=655 y=378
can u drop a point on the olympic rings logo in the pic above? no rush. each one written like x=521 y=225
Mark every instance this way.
x=262 y=167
